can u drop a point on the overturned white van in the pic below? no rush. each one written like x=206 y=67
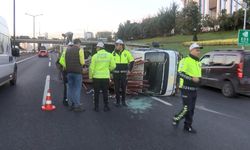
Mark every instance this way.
x=159 y=70
x=8 y=67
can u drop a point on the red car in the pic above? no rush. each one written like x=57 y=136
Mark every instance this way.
x=43 y=53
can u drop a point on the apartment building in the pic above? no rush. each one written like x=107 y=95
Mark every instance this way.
x=214 y=7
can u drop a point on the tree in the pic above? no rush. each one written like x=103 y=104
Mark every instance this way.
x=150 y=27
x=189 y=19
x=226 y=21
x=238 y=18
x=248 y=2
x=121 y=32
x=209 y=22
x=167 y=19
x=159 y=25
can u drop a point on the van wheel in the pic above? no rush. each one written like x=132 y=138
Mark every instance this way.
x=228 y=89
x=13 y=81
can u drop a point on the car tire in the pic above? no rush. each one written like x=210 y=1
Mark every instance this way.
x=14 y=79
x=228 y=89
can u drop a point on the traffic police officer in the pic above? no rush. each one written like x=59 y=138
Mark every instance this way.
x=124 y=65
x=64 y=73
x=189 y=73
x=102 y=63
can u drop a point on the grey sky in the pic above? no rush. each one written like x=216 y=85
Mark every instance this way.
x=77 y=15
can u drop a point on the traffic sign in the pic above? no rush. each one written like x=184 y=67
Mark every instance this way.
x=244 y=37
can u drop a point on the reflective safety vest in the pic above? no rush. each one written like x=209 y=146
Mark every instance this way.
x=101 y=64
x=62 y=59
x=122 y=59
x=190 y=67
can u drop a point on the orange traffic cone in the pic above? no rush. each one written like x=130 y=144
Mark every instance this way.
x=48 y=103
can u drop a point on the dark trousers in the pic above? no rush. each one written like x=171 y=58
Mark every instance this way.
x=120 y=80
x=187 y=112
x=64 y=77
x=100 y=84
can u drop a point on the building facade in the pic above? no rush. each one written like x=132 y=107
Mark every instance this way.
x=214 y=7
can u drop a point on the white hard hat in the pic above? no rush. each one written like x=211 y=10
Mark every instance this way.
x=119 y=41
x=100 y=44
x=70 y=43
x=195 y=45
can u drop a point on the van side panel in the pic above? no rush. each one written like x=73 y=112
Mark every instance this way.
x=7 y=62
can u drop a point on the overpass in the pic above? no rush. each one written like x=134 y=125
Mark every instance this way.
x=92 y=44
x=48 y=41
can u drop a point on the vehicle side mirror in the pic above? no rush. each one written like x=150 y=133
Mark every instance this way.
x=15 y=52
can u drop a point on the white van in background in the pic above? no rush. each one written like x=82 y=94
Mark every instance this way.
x=8 y=67
x=159 y=69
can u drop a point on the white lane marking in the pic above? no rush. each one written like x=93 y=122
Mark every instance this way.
x=162 y=101
x=198 y=107
x=25 y=59
x=49 y=64
x=220 y=113
x=46 y=88
x=213 y=111
x=50 y=58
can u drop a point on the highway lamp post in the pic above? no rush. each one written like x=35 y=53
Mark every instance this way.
x=34 y=25
x=244 y=6
x=14 y=23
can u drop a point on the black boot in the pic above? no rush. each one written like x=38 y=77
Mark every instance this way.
x=106 y=108
x=65 y=102
x=96 y=109
x=124 y=104
x=175 y=122
x=118 y=103
x=71 y=107
x=189 y=129
x=78 y=109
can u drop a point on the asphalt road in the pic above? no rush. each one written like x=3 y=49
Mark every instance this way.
x=222 y=123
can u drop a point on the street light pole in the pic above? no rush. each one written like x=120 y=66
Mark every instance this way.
x=14 y=23
x=245 y=14
x=244 y=6
x=34 y=24
x=245 y=18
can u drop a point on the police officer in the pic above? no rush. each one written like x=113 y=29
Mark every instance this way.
x=102 y=63
x=124 y=65
x=189 y=73
x=64 y=74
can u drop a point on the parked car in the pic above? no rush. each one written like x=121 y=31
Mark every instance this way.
x=228 y=70
x=43 y=53
x=8 y=66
